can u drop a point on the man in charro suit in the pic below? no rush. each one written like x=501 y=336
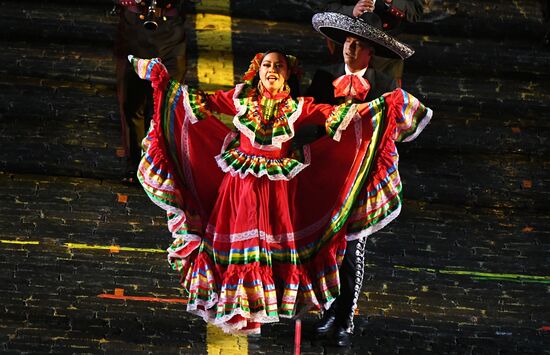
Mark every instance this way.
x=393 y=13
x=353 y=80
x=146 y=29
x=357 y=54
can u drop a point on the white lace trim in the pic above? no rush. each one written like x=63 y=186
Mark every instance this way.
x=351 y=114
x=208 y=313
x=276 y=142
x=375 y=227
x=263 y=172
x=173 y=252
x=187 y=106
x=205 y=313
x=270 y=238
x=423 y=123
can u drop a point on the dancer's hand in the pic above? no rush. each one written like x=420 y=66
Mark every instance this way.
x=363 y=6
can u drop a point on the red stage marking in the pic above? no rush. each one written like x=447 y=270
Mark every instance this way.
x=545 y=328
x=119 y=295
x=122 y=198
x=120 y=152
x=297 y=336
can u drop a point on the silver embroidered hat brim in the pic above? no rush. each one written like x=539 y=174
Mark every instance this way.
x=337 y=27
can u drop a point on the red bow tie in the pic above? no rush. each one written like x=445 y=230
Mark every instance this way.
x=351 y=86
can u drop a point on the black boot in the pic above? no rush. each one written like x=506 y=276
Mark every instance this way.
x=327 y=323
x=342 y=337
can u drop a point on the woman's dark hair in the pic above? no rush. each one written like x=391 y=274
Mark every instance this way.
x=293 y=81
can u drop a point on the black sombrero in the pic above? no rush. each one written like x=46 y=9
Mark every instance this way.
x=368 y=27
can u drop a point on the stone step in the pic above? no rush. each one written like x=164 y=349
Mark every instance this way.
x=478 y=58
x=468 y=129
x=498 y=94
x=494 y=19
x=60 y=129
x=56 y=23
x=436 y=52
x=512 y=181
x=72 y=63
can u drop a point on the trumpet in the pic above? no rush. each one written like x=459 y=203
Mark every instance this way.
x=153 y=13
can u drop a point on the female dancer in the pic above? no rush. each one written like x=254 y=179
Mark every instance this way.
x=259 y=229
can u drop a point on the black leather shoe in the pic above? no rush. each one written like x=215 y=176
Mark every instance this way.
x=327 y=323
x=342 y=337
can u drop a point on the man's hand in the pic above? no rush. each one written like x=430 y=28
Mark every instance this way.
x=363 y=6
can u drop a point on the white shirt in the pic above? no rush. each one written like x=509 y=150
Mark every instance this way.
x=360 y=73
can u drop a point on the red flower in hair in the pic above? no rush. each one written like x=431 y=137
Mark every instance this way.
x=253 y=68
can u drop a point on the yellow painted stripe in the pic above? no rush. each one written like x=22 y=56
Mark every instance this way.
x=219 y=343
x=215 y=56
x=32 y=242
x=214 y=71
x=112 y=247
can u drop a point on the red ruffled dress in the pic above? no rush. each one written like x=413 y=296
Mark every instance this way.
x=260 y=229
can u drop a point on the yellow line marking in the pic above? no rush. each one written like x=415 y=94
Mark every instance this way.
x=219 y=343
x=215 y=70
x=215 y=57
x=31 y=242
x=113 y=248
x=213 y=32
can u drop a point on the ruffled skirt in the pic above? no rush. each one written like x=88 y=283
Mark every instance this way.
x=251 y=249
